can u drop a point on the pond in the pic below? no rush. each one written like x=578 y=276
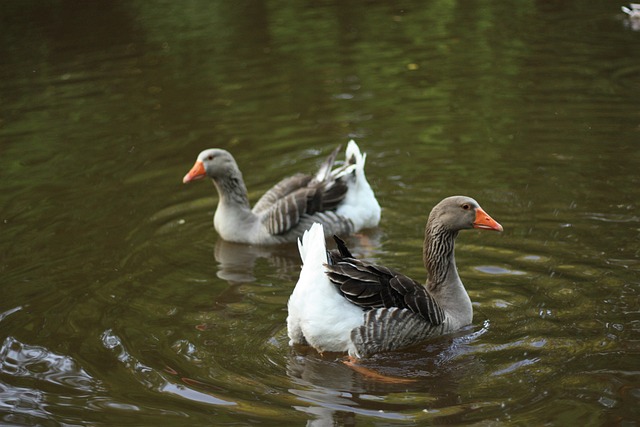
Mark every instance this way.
x=120 y=304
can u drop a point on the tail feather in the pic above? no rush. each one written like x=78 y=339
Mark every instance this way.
x=360 y=203
x=312 y=246
x=354 y=156
x=354 y=162
x=325 y=168
x=342 y=247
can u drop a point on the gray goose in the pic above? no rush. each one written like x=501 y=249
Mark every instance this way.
x=339 y=198
x=343 y=304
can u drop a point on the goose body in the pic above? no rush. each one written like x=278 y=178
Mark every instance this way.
x=342 y=304
x=339 y=198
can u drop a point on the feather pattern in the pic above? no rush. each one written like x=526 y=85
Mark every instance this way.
x=374 y=286
x=438 y=250
x=280 y=190
x=339 y=197
x=341 y=303
x=285 y=212
x=388 y=329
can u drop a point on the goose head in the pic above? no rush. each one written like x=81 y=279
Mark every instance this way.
x=214 y=163
x=460 y=212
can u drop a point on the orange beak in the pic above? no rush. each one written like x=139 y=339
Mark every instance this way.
x=196 y=172
x=485 y=222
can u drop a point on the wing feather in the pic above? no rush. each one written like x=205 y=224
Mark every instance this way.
x=372 y=286
x=283 y=206
x=281 y=190
x=387 y=329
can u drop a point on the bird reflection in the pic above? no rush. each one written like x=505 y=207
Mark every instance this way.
x=632 y=16
x=237 y=261
x=331 y=389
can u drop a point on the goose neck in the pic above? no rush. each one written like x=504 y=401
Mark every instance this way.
x=439 y=257
x=232 y=190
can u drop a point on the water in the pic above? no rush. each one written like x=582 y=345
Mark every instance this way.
x=120 y=305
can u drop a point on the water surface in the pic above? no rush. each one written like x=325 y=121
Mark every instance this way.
x=122 y=307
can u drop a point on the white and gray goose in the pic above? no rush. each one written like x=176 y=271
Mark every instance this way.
x=339 y=198
x=343 y=304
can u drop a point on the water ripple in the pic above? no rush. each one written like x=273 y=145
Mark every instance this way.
x=38 y=363
x=152 y=378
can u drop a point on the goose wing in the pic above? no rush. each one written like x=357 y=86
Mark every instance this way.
x=372 y=286
x=280 y=191
x=387 y=329
x=283 y=206
x=286 y=212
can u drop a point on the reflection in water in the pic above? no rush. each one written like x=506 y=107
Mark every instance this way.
x=236 y=261
x=39 y=364
x=332 y=389
x=42 y=370
x=105 y=254
x=632 y=16
x=22 y=405
x=154 y=379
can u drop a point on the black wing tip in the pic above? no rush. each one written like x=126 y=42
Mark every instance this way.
x=342 y=247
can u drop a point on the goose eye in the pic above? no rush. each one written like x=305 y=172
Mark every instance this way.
x=466 y=207
x=211 y=156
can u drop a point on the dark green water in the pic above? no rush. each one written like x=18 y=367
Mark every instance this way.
x=121 y=307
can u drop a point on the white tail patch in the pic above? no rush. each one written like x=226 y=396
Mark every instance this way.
x=354 y=151
x=312 y=246
x=318 y=314
x=360 y=204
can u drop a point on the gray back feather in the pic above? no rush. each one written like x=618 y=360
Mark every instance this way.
x=279 y=191
x=387 y=329
x=283 y=207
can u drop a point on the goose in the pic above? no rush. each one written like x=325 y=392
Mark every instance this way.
x=343 y=304
x=340 y=199
x=633 y=12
